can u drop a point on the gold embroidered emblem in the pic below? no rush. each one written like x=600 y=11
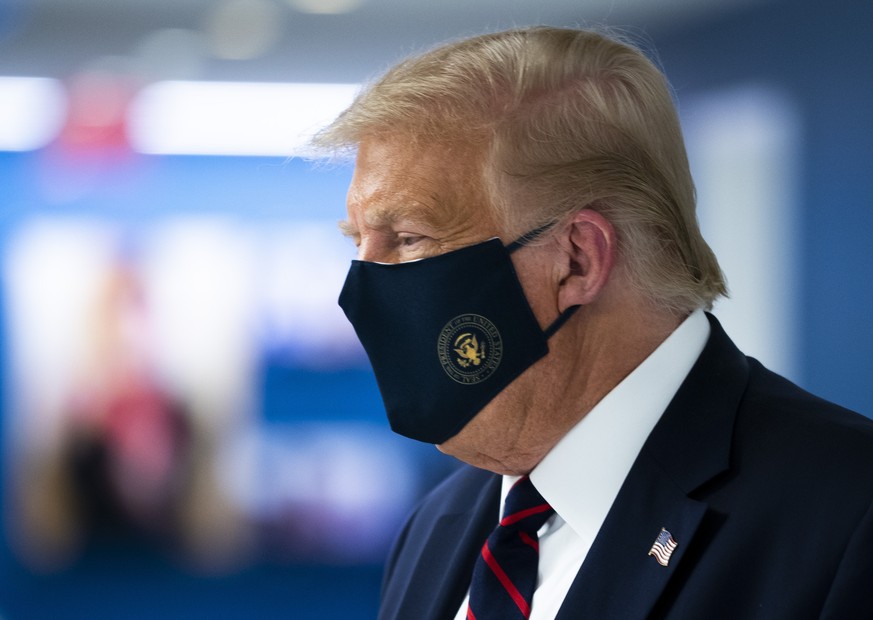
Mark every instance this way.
x=469 y=348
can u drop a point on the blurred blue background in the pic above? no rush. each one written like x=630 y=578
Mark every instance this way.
x=189 y=427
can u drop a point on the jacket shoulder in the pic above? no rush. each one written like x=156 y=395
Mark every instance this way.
x=803 y=421
x=802 y=453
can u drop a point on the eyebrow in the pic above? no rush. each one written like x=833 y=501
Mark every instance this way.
x=347 y=228
x=385 y=216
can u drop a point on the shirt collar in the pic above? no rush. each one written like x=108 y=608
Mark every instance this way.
x=581 y=476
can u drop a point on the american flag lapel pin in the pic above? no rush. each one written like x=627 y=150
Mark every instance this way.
x=663 y=547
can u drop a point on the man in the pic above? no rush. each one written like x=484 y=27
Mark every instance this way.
x=531 y=292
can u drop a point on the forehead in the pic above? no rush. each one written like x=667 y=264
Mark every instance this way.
x=399 y=180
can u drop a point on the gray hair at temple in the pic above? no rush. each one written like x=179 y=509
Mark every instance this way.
x=565 y=120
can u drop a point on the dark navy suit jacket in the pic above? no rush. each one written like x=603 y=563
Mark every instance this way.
x=767 y=489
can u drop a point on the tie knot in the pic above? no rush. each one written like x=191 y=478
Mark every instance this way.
x=525 y=509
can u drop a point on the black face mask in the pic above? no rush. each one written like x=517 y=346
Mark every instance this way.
x=444 y=334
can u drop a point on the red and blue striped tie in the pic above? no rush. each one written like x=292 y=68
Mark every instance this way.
x=505 y=574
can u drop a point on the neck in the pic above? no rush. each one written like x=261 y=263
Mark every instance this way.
x=588 y=357
x=598 y=355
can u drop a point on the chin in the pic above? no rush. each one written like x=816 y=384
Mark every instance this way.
x=466 y=449
x=462 y=448
x=449 y=446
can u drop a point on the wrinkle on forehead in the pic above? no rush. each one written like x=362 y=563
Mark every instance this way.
x=401 y=207
x=439 y=186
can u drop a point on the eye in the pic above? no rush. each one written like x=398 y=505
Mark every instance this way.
x=410 y=239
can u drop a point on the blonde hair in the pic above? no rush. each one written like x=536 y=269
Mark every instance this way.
x=566 y=119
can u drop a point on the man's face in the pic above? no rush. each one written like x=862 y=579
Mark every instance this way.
x=408 y=203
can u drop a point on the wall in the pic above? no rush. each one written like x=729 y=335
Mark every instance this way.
x=818 y=55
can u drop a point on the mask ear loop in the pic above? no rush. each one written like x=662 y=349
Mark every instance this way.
x=520 y=243
x=559 y=322
x=527 y=238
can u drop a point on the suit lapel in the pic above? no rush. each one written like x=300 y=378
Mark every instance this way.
x=445 y=567
x=688 y=447
x=618 y=578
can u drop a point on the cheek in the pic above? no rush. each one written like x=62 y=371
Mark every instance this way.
x=540 y=283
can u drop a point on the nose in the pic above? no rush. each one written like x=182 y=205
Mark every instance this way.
x=365 y=249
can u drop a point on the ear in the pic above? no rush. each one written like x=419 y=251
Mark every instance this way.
x=589 y=246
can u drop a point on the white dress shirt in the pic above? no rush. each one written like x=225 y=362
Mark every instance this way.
x=581 y=476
